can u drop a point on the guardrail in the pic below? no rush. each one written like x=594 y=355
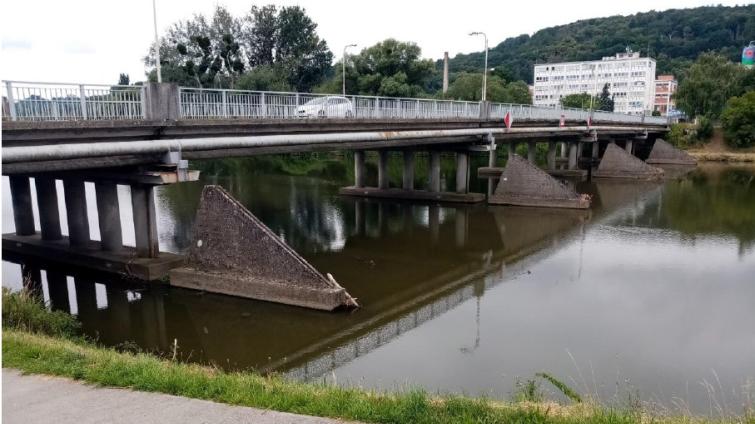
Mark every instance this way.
x=33 y=101
x=43 y=101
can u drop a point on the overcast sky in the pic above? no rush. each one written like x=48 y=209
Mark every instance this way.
x=93 y=41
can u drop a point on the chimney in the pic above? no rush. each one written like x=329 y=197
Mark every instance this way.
x=445 y=72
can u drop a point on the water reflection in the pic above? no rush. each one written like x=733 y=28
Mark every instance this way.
x=650 y=290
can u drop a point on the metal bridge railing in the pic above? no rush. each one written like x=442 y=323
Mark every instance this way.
x=38 y=101
x=34 y=101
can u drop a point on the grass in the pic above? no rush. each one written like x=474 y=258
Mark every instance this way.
x=29 y=347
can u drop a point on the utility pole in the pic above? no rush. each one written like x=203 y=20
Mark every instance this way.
x=157 y=42
x=343 y=69
x=485 y=71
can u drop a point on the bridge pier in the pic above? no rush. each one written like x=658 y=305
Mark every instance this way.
x=359 y=169
x=572 y=155
x=23 y=212
x=531 y=150
x=551 y=157
x=47 y=202
x=408 y=175
x=145 y=221
x=408 y=190
x=629 y=146
x=462 y=172
x=76 y=212
x=57 y=288
x=511 y=149
x=109 y=216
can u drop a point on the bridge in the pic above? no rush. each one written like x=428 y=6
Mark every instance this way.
x=143 y=136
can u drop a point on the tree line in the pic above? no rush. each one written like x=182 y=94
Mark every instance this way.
x=279 y=49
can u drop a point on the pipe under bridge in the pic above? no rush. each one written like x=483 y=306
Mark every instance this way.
x=144 y=136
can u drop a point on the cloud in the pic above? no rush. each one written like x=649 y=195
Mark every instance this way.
x=78 y=47
x=19 y=44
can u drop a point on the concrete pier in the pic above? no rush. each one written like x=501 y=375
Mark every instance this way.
x=665 y=153
x=434 y=183
x=573 y=155
x=531 y=150
x=595 y=150
x=145 y=221
x=109 y=216
x=618 y=163
x=359 y=170
x=462 y=172
x=57 y=287
x=408 y=175
x=47 y=202
x=23 y=212
x=511 y=149
x=551 y=157
x=76 y=212
x=629 y=145
x=383 y=169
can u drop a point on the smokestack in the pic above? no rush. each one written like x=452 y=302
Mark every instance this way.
x=445 y=72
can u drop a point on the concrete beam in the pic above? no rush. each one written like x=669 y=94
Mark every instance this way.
x=47 y=202
x=408 y=176
x=23 y=212
x=359 y=170
x=109 y=216
x=382 y=169
x=145 y=221
x=76 y=212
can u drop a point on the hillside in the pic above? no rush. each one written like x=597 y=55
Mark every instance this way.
x=674 y=37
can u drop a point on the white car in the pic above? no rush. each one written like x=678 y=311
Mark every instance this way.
x=326 y=107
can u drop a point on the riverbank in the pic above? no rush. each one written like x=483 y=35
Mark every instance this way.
x=716 y=150
x=60 y=352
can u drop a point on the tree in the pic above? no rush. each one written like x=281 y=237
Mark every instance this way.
x=468 y=86
x=260 y=29
x=605 y=101
x=709 y=83
x=264 y=78
x=738 y=120
x=580 y=101
x=389 y=68
x=123 y=79
x=300 y=52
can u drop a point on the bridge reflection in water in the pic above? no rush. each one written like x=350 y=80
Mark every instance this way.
x=407 y=264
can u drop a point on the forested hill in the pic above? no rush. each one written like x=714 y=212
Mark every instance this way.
x=674 y=37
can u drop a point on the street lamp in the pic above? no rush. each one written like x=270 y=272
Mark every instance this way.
x=343 y=62
x=485 y=70
x=157 y=42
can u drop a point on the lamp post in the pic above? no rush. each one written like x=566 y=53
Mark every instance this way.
x=485 y=70
x=343 y=63
x=157 y=42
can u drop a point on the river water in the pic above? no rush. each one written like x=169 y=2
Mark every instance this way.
x=648 y=297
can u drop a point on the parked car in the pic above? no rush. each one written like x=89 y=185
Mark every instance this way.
x=326 y=107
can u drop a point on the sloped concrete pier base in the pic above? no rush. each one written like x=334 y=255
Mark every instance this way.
x=666 y=154
x=234 y=253
x=495 y=172
x=421 y=195
x=618 y=163
x=524 y=184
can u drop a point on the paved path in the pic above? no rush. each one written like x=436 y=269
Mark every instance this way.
x=33 y=399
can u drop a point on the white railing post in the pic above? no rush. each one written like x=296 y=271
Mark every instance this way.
x=225 y=103
x=377 y=107
x=11 y=101
x=263 y=107
x=416 y=112
x=143 y=101
x=83 y=101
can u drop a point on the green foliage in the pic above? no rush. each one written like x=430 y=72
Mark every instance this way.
x=561 y=386
x=684 y=135
x=468 y=86
x=25 y=311
x=704 y=128
x=389 y=68
x=139 y=371
x=581 y=101
x=605 y=101
x=216 y=52
x=675 y=38
x=528 y=391
x=264 y=78
x=710 y=82
x=123 y=79
x=738 y=120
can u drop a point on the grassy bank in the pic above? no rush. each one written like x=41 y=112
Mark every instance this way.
x=28 y=347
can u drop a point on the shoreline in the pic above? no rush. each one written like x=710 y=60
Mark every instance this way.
x=728 y=157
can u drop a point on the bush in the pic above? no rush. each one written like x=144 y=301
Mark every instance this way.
x=704 y=128
x=738 y=120
x=25 y=311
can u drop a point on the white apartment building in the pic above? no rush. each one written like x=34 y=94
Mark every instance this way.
x=630 y=79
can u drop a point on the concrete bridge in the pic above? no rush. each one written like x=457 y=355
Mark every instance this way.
x=143 y=136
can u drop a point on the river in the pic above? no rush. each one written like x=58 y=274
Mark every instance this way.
x=649 y=297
